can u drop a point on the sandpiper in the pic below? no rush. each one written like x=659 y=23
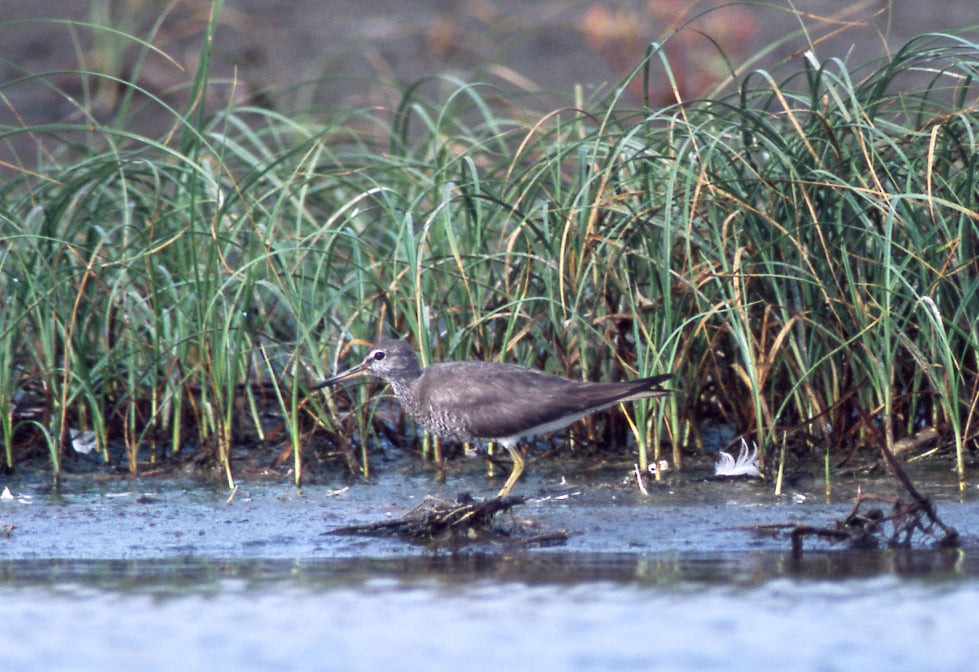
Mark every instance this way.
x=490 y=401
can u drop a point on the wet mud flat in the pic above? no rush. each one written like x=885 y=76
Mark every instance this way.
x=677 y=578
x=599 y=512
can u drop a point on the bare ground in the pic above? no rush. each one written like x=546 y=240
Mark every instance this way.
x=352 y=52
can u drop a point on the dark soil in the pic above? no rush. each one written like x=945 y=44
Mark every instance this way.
x=351 y=56
x=348 y=57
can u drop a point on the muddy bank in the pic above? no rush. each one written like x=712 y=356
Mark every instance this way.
x=312 y=55
x=144 y=567
x=600 y=513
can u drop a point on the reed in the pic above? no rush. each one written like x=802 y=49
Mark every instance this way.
x=801 y=253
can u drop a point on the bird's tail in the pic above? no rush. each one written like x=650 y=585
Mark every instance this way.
x=649 y=388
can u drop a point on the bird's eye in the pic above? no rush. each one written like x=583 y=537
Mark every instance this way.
x=379 y=355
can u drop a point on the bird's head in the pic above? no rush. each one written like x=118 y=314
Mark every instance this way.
x=388 y=360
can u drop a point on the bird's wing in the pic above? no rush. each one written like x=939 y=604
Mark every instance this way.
x=497 y=401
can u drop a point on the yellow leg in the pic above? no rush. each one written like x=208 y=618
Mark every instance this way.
x=518 y=463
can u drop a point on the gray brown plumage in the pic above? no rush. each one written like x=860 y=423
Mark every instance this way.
x=488 y=401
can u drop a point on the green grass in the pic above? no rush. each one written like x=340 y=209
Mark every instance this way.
x=801 y=253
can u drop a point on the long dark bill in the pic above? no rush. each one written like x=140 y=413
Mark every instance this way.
x=359 y=370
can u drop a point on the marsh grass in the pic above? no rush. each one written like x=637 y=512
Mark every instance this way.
x=801 y=253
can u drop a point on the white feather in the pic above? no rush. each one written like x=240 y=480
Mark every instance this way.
x=745 y=465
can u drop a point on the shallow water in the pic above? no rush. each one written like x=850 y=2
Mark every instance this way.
x=169 y=575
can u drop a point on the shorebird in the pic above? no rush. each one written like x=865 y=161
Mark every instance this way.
x=490 y=401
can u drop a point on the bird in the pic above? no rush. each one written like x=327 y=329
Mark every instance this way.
x=490 y=401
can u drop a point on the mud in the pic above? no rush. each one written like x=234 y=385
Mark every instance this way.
x=133 y=570
x=601 y=512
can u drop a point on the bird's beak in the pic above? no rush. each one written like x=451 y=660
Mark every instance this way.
x=355 y=372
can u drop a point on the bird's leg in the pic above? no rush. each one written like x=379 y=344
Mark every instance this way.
x=518 y=463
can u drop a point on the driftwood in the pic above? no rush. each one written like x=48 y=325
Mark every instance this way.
x=437 y=523
x=873 y=527
x=869 y=528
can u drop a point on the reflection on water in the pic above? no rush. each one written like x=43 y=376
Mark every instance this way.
x=544 y=610
x=181 y=576
x=175 y=577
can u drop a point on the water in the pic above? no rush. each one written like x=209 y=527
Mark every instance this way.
x=168 y=575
